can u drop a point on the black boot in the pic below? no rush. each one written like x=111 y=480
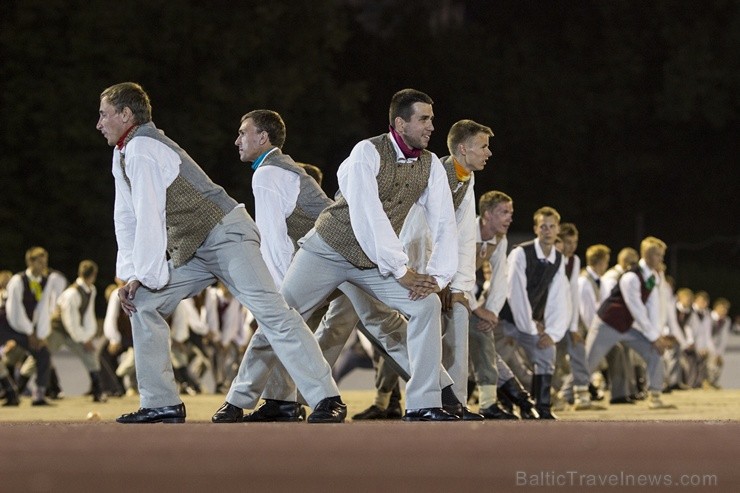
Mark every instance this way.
x=394 y=410
x=22 y=383
x=11 y=394
x=513 y=391
x=96 y=388
x=54 y=390
x=541 y=388
x=504 y=402
x=452 y=405
x=181 y=376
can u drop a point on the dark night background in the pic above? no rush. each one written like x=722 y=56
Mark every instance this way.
x=623 y=115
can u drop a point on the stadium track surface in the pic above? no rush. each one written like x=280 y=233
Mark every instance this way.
x=625 y=448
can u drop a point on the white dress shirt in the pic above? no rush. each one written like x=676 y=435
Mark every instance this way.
x=557 y=318
x=276 y=193
x=357 y=177
x=40 y=321
x=110 y=322
x=497 y=288
x=646 y=315
x=187 y=318
x=416 y=238
x=588 y=304
x=573 y=296
x=80 y=328
x=227 y=326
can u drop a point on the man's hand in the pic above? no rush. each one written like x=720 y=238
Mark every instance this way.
x=126 y=294
x=545 y=341
x=661 y=344
x=445 y=296
x=34 y=342
x=419 y=285
x=576 y=338
x=487 y=319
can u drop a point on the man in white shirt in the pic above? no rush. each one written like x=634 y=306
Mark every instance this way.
x=492 y=374
x=632 y=315
x=536 y=313
x=379 y=182
x=32 y=296
x=166 y=206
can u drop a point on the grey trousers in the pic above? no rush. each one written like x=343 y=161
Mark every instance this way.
x=316 y=271
x=488 y=366
x=542 y=359
x=231 y=253
x=577 y=374
x=58 y=338
x=602 y=337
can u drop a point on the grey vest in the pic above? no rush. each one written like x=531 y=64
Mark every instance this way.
x=194 y=203
x=56 y=318
x=311 y=198
x=399 y=187
x=457 y=187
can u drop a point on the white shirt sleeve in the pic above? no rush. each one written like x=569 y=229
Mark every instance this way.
x=629 y=285
x=15 y=311
x=80 y=328
x=440 y=213
x=357 y=178
x=557 y=315
x=463 y=280
x=521 y=310
x=499 y=267
x=110 y=323
x=573 y=293
x=139 y=212
x=275 y=196
x=587 y=305
x=179 y=326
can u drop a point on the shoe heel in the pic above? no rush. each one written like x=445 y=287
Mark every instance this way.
x=173 y=420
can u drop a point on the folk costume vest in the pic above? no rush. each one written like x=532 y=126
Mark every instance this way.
x=311 y=198
x=194 y=203
x=399 y=187
x=614 y=312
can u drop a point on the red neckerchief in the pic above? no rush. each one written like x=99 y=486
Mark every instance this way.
x=119 y=144
x=408 y=152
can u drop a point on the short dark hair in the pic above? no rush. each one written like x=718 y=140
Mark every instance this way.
x=464 y=130
x=313 y=171
x=271 y=122
x=567 y=229
x=489 y=200
x=131 y=95
x=403 y=101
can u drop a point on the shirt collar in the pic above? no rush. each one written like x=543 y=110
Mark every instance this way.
x=400 y=158
x=593 y=274
x=540 y=254
x=257 y=162
x=32 y=277
x=647 y=271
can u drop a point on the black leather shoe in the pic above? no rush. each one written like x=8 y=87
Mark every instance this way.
x=429 y=414
x=462 y=412
x=394 y=412
x=371 y=413
x=166 y=414
x=621 y=400
x=41 y=402
x=273 y=410
x=495 y=412
x=228 y=413
x=329 y=410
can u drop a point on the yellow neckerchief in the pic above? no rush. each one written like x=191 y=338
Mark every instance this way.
x=460 y=171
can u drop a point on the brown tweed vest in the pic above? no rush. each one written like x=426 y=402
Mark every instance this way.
x=457 y=187
x=194 y=203
x=311 y=198
x=399 y=186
